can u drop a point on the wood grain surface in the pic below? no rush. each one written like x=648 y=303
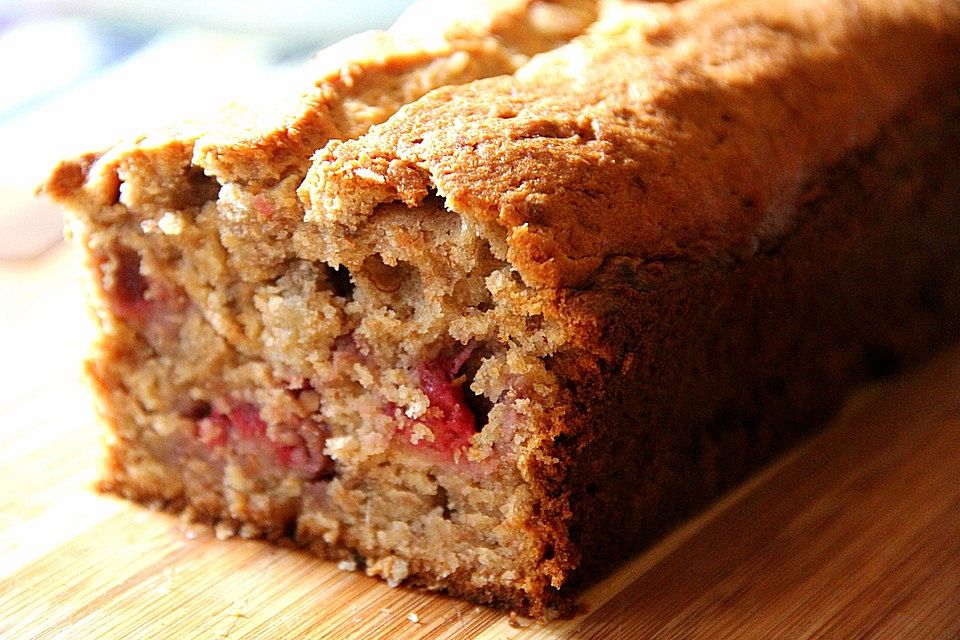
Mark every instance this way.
x=856 y=533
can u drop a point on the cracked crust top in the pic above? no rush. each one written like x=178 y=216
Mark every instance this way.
x=666 y=131
x=347 y=88
x=683 y=131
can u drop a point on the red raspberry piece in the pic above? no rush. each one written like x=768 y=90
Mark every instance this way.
x=264 y=207
x=129 y=291
x=449 y=417
x=292 y=455
x=243 y=424
x=247 y=423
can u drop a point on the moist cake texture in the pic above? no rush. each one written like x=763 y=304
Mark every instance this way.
x=513 y=286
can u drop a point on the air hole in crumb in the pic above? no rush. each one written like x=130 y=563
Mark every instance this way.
x=434 y=200
x=195 y=409
x=549 y=552
x=443 y=500
x=479 y=404
x=384 y=278
x=390 y=279
x=327 y=475
x=341 y=281
x=201 y=188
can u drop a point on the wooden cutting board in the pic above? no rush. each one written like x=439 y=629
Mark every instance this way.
x=856 y=533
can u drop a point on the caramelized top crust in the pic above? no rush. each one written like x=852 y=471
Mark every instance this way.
x=347 y=88
x=683 y=131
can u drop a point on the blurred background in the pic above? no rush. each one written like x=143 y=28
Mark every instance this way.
x=77 y=75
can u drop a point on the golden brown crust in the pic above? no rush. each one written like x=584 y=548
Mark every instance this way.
x=68 y=176
x=650 y=136
x=351 y=86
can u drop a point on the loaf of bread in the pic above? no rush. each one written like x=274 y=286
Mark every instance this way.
x=513 y=286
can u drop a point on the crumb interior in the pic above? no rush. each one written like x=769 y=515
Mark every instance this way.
x=372 y=397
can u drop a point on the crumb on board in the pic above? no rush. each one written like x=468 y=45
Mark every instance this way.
x=517 y=622
x=347 y=565
x=225 y=530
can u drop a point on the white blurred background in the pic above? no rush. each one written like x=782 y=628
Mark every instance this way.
x=77 y=75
